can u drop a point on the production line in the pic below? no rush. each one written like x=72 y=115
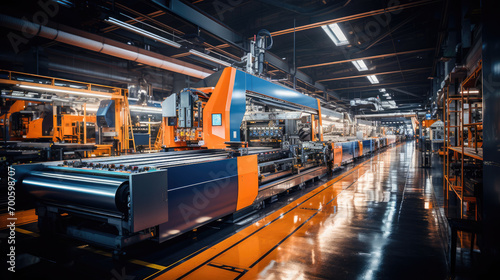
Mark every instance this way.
x=174 y=139
x=118 y=201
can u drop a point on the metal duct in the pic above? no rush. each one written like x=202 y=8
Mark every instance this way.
x=371 y=101
x=89 y=73
x=97 y=46
x=391 y=115
x=331 y=113
x=26 y=98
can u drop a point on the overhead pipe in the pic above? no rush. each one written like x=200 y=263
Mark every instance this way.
x=391 y=115
x=159 y=61
x=25 y=98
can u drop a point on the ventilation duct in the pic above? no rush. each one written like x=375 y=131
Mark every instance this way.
x=154 y=59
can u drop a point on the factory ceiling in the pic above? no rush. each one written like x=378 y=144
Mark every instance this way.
x=395 y=39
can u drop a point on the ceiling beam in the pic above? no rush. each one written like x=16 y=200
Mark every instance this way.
x=199 y=18
x=378 y=85
x=391 y=30
x=365 y=58
x=378 y=74
x=405 y=92
x=283 y=66
x=354 y=17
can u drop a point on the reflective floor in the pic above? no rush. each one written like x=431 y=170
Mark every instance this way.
x=374 y=222
x=376 y=219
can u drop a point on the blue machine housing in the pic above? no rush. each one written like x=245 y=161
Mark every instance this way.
x=106 y=113
x=347 y=151
x=210 y=195
x=356 y=149
x=368 y=146
x=244 y=82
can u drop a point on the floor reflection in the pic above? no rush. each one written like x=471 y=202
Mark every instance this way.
x=375 y=222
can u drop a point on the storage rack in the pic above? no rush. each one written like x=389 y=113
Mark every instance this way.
x=462 y=138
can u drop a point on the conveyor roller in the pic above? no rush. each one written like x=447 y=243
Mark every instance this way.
x=95 y=192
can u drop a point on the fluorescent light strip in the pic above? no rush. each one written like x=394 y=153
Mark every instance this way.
x=360 y=65
x=143 y=32
x=373 y=79
x=107 y=96
x=207 y=57
x=470 y=91
x=336 y=35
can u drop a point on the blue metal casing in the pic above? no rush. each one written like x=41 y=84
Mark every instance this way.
x=198 y=194
x=368 y=146
x=356 y=148
x=244 y=82
x=106 y=113
x=347 y=151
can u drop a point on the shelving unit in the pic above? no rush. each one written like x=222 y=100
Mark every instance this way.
x=462 y=113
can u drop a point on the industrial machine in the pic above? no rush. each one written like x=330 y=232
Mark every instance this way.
x=45 y=118
x=234 y=106
x=41 y=113
x=119 y=201
x=437 y=135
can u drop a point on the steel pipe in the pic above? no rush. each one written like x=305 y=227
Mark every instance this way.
x=391 y=115
x=99 y=47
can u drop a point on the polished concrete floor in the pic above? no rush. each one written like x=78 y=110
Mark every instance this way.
x=376 y=221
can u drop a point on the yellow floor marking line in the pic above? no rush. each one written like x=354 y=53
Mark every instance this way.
x=134 y=261
x=194 y=253
x=23 y=231
x=207 y=257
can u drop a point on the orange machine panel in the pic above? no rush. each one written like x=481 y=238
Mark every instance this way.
x=360 y=148
x=35 y=129
x=248 y=180
x=219 y=103
x=337 y=156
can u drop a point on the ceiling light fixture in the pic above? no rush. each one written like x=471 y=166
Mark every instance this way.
x=336 y=35
x=373 y=79
x=142 y=32
x=381 y=89
x=360 y=65
x=207 y=57
x=104 y=95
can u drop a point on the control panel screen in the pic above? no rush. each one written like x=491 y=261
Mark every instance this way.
x=216 y=119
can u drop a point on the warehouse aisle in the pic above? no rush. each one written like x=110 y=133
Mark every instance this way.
x=375 y=221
